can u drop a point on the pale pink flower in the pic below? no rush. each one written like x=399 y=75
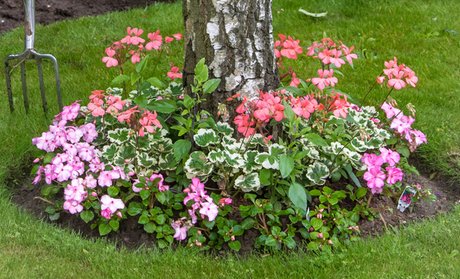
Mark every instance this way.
x=209 y=209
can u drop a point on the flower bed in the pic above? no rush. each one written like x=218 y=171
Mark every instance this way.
x=299 y=164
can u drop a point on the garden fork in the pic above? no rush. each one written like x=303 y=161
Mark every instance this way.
x=29 y=53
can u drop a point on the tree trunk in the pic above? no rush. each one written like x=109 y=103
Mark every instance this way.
x=236 y=39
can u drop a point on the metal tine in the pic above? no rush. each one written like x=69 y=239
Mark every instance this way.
x=24 y=86
x=30 y=54
x=8 y=85
x=42 y=85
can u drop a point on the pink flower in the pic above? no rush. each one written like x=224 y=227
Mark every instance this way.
x=339 y=105
x=372 y=160
x=348 y=53
x=110 y=205
x=375 y=180
x=106 y=213
x=225 y=201
x=174 y=73
x=290 y=48
x=177 y=36
x=269 y=107
x=133 y=37
x=105 y=179
x=125 y=116
x=209 y=209
x=90 y=182
x=69 y=113
x=244 y=125
x=389 y=110
x=89 y=132
x=72 y=206
x=155 y=41
x=148 y=122
x=168 y=39
x=181 y=228
x=109 y=60
x=402 y=124
x=325 y=79
x=380 y=79
x=304 y=106
x=294 y=80
x=394 y=175
x=95 y=107
x=158 y=178
x=135 y=57
x=115 y=104
x=389 y=156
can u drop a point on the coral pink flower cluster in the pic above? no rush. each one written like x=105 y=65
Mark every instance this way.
x=398 y=75
x=101 y=103
x=402 y=125
x=375 y=175
x=331 y=53
x=258 y=112
x=287 y=47
x=325 y=79
x=133 y=46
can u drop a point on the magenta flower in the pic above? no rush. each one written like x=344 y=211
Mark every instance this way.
x=375 y=179
x=181 y=227
x=159 y=179
x=394 y=175
x=389 y=156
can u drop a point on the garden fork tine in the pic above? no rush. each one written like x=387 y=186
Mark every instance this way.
x=30 y=54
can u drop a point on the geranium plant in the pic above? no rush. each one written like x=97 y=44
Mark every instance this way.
x=285 y=165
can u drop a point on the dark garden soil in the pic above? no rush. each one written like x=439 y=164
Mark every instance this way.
x=48 y=11
x=132 y=235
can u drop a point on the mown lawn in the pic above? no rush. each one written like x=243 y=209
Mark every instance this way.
x=423 y=34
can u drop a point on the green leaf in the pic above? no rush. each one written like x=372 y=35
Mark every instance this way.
x=143 y=64
x=286 y=165
x=298 y=196
x=352 y=175
x=235 y=245
x=134 y=208
x=316 y=139
x=143 y=219
x=188 y=101
x=114 y=224
x=361 y=192
x=205 y=137
x=145 y=194
x=201 y=71
x=160 y=219
x=120 y=80
x=315 y=192
x=288 y=112
x=87 y=216
x=113 y=191
x=316 y=223
x=156 y=83
x=248 y=183
x=162 y=106
x=248 y=223
x=181 y=149
x=265 y=176
x=104 y=229
x=211 y=85
x=150 y=227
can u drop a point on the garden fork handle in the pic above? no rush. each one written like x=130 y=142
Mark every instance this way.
x=29 y=24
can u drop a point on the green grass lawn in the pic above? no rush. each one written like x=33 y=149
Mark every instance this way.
x=423 y=34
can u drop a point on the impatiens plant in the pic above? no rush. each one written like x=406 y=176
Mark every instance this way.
x=291 y=164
